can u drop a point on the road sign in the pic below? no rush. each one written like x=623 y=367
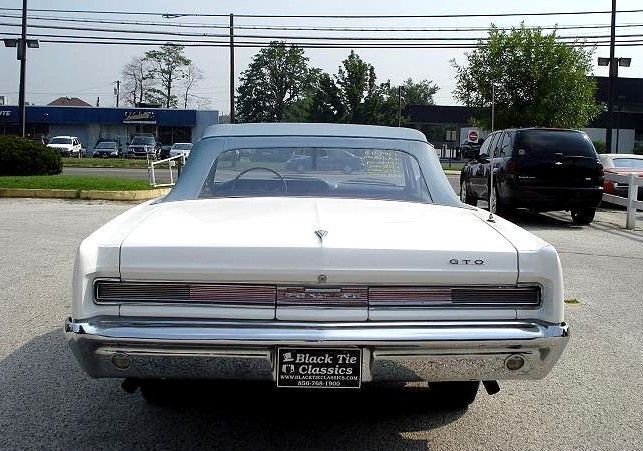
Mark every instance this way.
x=473 y=136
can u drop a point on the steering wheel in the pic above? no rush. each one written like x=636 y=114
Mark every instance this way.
x=260 y=168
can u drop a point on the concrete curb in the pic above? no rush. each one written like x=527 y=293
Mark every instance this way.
x=451 y=172
x=85 y=194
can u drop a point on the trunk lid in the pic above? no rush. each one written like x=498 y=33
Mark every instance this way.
x=273 y=240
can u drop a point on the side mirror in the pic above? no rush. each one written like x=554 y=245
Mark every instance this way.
x=483 y=157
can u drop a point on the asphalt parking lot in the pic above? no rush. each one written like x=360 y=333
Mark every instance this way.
x=590 y=401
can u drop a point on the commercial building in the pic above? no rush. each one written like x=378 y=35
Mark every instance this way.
x=449 y=125
x=90 y=124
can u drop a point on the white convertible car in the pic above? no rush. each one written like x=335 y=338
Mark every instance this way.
x=319 y=278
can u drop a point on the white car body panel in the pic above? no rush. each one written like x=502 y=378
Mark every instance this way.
x=268 y=240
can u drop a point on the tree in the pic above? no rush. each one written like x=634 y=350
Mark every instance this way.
x=168 y=65
x=277 y=78
x=136 y=81
x=353 y=95
x=193 y=75
x=397 y=98
x=349 y=96
x=325 y=102
x=538 y=81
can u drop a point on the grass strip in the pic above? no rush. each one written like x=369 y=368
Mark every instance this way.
x=73 y=182
x=88 y=162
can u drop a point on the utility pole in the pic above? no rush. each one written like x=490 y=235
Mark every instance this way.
x=611 y=84
x=117 y=91
x=22 y=56
x=232 y=118
x=399 y=106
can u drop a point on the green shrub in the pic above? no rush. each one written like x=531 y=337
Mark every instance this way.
x=599 y=146
x=19 y=156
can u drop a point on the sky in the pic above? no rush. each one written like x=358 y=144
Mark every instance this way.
x=88 y=71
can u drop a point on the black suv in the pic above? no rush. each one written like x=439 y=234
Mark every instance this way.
x=541 y=169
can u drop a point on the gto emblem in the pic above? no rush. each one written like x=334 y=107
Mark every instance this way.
x=321 y=234
x=464 y=261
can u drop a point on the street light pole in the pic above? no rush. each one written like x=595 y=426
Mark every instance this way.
x=399 y=106
x=232 y=118
x=22 y=56
x=613 y=74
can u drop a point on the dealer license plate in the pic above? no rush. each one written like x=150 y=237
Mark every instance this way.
x=319 y=368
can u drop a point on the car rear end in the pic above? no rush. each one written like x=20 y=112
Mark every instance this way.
x=424 y=309
x=553 y=169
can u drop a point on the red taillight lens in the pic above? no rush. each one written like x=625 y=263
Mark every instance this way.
x=512 y=166
x=608 y=186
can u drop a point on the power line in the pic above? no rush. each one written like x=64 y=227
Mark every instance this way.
x=338 y=44
x=172 y=15
x=249 y=44
x=290 y=37
x=313 y=28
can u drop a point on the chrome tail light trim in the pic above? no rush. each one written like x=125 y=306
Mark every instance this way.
x=114 y=291
x=426 y=297
x=196 y=293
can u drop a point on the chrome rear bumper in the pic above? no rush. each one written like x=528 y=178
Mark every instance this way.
x=394 y=351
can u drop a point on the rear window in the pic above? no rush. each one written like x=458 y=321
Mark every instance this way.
x=552 y=143
x=385 y=174
x=634 y=163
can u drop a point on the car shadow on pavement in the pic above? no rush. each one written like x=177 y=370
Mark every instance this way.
x=46 y=401
x=534 y=220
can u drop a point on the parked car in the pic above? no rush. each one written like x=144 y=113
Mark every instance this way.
x=327 y=160
x=164 y=152
x=143 y=146
x=68 y=146
x=267 y=156
x=537 y=168
x=313 y=280
x=105 y=149
x=622 y=164
x=181 y=148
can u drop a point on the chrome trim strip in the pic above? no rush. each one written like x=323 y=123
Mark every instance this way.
x=400 y=351
x=279 y=332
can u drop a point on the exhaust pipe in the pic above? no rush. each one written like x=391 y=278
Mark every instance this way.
x=492 y=387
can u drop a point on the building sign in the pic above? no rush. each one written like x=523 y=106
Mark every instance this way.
x=139 y=117
x=6 y=115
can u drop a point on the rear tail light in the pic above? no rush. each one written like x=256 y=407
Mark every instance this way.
x=608 y=186
x=600 y=172
x=494 y=297
x=113 y=291
x=169 y=292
